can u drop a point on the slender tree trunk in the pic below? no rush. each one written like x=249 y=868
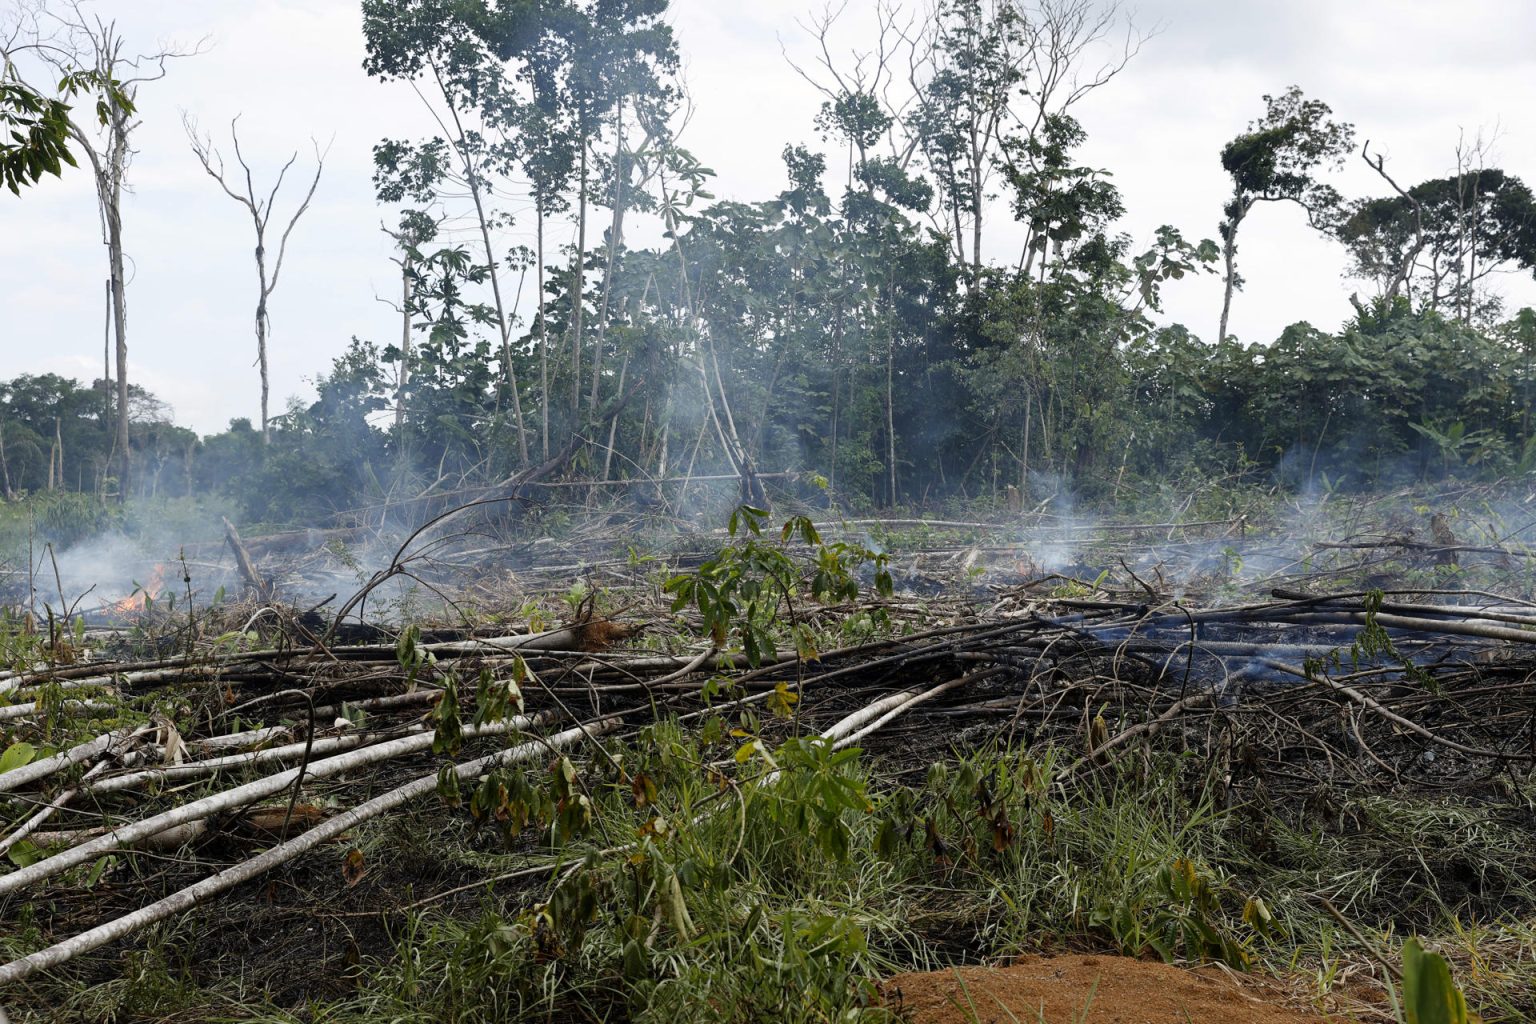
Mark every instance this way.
x=120 y=330
x=1029 y=401
x=1229 y=281
x=261 y=329
x=5 y=469
x=959 y=234
x=503 y=316
x=615 y=239
x=1472 y=249
x=543 y=330
x=503 y=321
x=890 y=412
x=107 y=168
x=106 y=361
x=976 y=200
x=404 y=377
x=666 y=434
x=579 y=285
x=613 y=424
x=837 y=394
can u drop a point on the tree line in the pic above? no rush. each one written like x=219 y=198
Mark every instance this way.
x=865 y=323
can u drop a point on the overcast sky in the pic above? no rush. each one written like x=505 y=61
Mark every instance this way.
x=1412 y=75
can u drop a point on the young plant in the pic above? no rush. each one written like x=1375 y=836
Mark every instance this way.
x=746 y=587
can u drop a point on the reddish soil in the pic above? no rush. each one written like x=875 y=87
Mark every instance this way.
x=1077 y=989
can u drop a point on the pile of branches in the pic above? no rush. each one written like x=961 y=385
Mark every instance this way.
x=1297 y=693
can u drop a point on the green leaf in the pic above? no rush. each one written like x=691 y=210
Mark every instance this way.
x=98 y=869
x=24 y=853
x=1429 y=994
x=16 y=755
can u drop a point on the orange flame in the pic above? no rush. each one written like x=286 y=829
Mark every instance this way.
x=142 y=594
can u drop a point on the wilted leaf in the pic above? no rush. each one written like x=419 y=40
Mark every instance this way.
x=352 y=868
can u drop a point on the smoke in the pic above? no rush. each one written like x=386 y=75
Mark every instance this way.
x=1056 y=543
x=102 y=571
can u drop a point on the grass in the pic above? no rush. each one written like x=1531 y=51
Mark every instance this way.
x=787 y=897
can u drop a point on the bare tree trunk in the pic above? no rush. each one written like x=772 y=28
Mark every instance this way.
x=1029 y=402
x=837 y=395
x=96 y=45
x=120 y=331
x=5 y=469
x=615 y=238
x=977 y=170
x=106 y=360
x=503 y=315
x=543 y=332
x=578 y=286
x=1229 y=264
x=890 y=413
x=405 y=341
x=261 y=332
x=58 y=452
x=613 y=424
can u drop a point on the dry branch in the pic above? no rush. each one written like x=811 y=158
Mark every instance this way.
x=195 y=894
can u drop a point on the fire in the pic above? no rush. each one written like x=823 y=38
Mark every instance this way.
x=142 y=594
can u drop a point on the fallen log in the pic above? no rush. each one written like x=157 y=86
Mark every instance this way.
x=230 y=877
x=198 y=810
x=260 y=586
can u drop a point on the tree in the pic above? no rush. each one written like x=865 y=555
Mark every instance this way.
x=261 y=214
x=35 y=130
x=1439 y=242
x=67 y=43
x=421 y=41
x=415 y=231
x=530 y=86
x=963 y=108
x=1275 y=160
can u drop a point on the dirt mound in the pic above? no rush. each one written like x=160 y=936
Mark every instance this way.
x=1087 y=990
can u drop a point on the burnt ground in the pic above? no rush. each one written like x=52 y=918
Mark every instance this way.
x=1191 y=657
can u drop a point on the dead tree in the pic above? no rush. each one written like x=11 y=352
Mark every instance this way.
x=261 y=215
x=1404 y=270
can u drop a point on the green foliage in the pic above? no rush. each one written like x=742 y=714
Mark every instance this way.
x=1274 y=159
x=747 y=586
x=1429 y=995
x=35 y=130
x=1183 y=922
x=16 y=755
x=1436 y=242
x=65 y=519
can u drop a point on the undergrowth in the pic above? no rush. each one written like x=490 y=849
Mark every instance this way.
x=705 y=875
x=732 y=869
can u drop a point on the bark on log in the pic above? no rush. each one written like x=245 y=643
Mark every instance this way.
x=253 y=579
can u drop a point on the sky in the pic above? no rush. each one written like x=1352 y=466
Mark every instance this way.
x=1414 y=76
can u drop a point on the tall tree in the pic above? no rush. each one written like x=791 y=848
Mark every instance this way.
x=260 y=210
x=977 y=51
x=1276 y=160
x=534 y=86
x=431 y=46
x=1440 y=242
x=67 y=41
